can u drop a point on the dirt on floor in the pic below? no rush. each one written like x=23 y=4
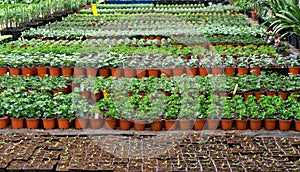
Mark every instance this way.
x=163 y=151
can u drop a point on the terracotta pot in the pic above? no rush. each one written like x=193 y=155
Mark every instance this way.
x=105 y=72
x=81 y=123
x=27 y=72
x=271 y=93
x=96 y=123
x=3 y=122
x=116 y=72
x=167 y=72
x=185 y=124
x=14 y=71
x=283 y=95
x=191 y=71
x=158 y=37
x=67 y=72
x=199 y=124
x=85 y=94
x=3 y=71
x=110 y=124
x=91 y=72
x=230 y=71
x=54 y=92
x=242 y=71
x=153 y=72
x=216 y=71
x=32 y=123
x=49 y=124
x=226 y=124
x=124 y=124
x=258 y=94
x=34 y=71
x=140 y=73
x=170 y=124
x=255 y=71
x=156 y=125
x=96 y=96
x=297 y=125
x=223 y=94
x=237 y=94
x=212 y=124
x=63 y=123
x=284 y=125
x=178 y=71
x=17 y=123
x=294 y=70
x=203 y=71
x=129 y=73
x=270 y=124
x=241 y=124
x=78 y=72
x=139 y=125
x=41 y=72
x=247 y=94
x=294 y=94
x=54 y=71
x=254 y=15
x=255 y=124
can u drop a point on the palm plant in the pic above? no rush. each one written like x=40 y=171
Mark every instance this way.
x=287 y=16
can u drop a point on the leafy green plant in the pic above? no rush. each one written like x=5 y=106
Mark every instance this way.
x=240 y=108
x=228 y=110
x=143 y=107
x=200 y=108
x=268 y=110
x=186 y=108
x=80 y=106
x=126 y=109
x=63 y=106
x=286 y=16
x=214 y=108
x=172 y=106
x=157 y=107
x=253 y=108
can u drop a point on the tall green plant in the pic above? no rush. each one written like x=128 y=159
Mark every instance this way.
x=287 y=16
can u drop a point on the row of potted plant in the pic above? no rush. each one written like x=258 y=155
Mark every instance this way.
x=66 y=33
x=17 y=19
x=222 y=19
x=240 y=40
x=121 y=6
x=129 y=66
x=58 y=32
x=214 y=8
x=112 y=6
x=48 y=84
x=222 y=85
x=151 y=108
x=154 y=20
x=146 y=45
x=245 y=50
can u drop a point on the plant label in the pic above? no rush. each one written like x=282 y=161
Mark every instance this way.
x=82 y=87
x=104 y=94
x=94 y=9
x=235 y=88
x=96 y=114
